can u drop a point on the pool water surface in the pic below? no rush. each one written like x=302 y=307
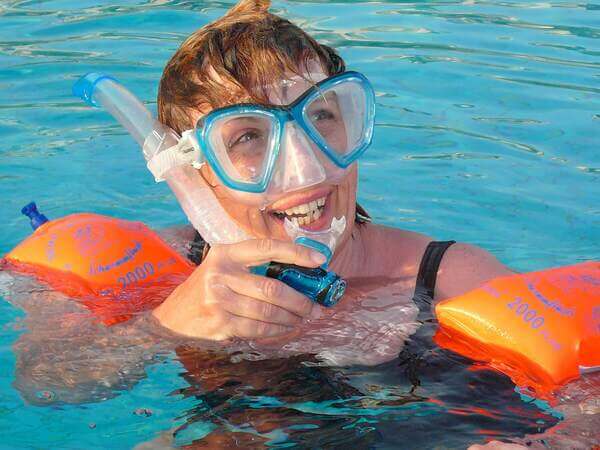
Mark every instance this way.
x=487 y=132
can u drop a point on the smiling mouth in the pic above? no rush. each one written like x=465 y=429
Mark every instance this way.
x=305 y=213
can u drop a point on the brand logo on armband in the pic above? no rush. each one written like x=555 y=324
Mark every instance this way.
x=552 y=304
x=532 y=318
x=129 y=254
x=595 y=281
x=130 y=226
x=51 y=247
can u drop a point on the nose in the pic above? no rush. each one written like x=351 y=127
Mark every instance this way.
x=298 y=166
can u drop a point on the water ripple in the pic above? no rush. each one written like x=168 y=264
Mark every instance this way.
x=443 y=49
x=516 y=145
x=547 y=84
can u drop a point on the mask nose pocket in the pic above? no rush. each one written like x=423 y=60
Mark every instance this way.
x=298 y=167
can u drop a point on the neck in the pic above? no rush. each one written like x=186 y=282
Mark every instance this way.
x=351 y=256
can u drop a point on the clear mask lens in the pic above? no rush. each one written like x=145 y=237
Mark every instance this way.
x=298 y=166
x=338 y=115
x=243 y=144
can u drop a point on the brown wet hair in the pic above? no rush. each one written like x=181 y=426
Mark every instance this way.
x=248 y=48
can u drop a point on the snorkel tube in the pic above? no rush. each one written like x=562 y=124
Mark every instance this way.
x=196 y=198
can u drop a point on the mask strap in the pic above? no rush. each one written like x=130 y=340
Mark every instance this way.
x=184 y=152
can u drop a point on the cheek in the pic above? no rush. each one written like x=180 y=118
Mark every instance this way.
x=209 y=176
x=249 y=218
x=342 y=137
x=353 y=180
x=235 y=210
x=347 y=202
x=348 y=188
x=336 y=137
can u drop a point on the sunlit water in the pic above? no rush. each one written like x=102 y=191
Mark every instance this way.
x=487 y=132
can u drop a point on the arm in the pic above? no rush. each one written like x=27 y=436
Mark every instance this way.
x=465 y=267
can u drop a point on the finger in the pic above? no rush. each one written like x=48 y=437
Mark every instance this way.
x=270 y=290
x=250 y=308
x=250 y=328
x=260 y=251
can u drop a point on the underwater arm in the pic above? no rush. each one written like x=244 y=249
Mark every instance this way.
x=82 y=363
x=66 y=355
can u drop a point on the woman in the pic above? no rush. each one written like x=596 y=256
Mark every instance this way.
x=236 y=80
x=252 y=56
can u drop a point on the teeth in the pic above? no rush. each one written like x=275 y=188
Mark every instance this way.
x=306 y=213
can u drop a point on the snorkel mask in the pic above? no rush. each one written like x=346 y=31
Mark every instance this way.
x=315 y=128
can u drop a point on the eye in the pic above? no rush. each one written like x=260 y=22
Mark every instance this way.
x=321 y=114
x=244 y=138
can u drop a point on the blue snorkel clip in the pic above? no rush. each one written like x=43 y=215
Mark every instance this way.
x=320 y=285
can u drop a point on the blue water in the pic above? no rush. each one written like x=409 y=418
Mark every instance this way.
x=487 y=132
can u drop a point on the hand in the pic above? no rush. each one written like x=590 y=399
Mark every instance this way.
x=222 y=299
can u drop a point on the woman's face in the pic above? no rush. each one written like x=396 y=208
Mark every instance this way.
x=315 y=207
x=312 y=206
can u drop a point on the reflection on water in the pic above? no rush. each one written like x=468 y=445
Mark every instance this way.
x=369 y=327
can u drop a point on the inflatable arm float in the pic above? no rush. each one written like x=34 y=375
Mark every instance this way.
x=540 y=328
x=114 y=267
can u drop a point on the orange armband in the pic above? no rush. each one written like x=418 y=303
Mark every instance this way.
x=540 y=328
x=115 y=267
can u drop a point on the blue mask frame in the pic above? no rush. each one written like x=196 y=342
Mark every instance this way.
x=279 y=115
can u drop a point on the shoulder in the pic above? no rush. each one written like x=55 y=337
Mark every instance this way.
x=465 y=267
x=398 y=251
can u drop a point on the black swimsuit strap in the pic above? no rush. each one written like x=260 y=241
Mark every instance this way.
x=430 y=263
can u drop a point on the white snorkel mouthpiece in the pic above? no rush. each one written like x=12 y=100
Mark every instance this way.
x=324 y=241
x=169 y=157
